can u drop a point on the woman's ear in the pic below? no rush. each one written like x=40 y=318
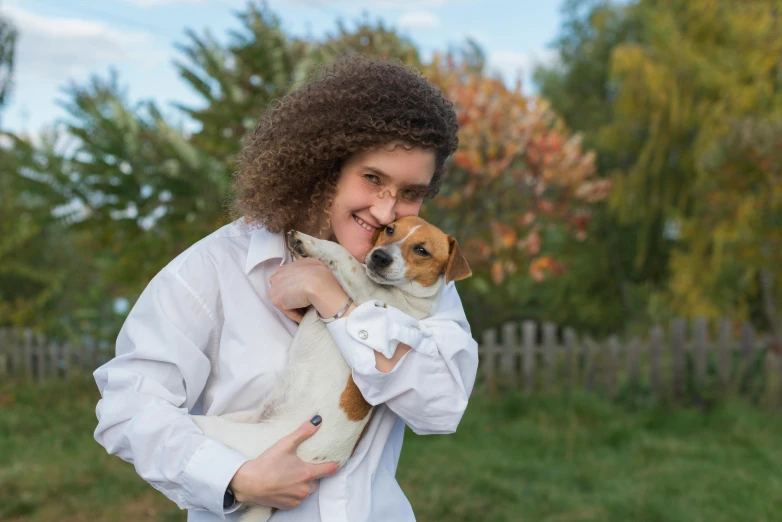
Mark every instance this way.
x=457 y=267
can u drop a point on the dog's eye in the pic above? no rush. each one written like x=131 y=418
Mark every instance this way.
x=418 y=249
x=390 y=231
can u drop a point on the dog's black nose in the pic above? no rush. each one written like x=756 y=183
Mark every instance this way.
x=380 y=258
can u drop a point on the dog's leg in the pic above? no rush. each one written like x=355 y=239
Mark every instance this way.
x=350 y=273
x=241 y=416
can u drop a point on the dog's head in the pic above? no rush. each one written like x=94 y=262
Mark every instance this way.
x=410 y=250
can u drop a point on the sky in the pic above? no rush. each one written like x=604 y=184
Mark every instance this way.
x=66 y=41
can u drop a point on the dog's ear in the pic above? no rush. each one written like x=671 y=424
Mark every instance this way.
x=376 y=235
x=457 y=267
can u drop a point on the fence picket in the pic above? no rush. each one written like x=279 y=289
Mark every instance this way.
x=570 y=350
x=747 y=353
x=549 y=355
x=701 y=346
x=655 y=347
x=612 y=366
x=724 y=347
x=509 y=344
x=16 y=355
x=28 y=353
x=633 y=362
x=528 y=360
x=590 y=354
x=40 y=357
x=54 y=360
x=489 y=351
x=678 y=333
x=67 y=367
x=5 y=353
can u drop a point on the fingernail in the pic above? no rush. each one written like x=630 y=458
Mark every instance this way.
x=316 y=420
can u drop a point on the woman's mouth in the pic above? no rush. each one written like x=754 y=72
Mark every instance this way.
x=362 y=224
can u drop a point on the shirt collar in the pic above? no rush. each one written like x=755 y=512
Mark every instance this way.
x=265 y=245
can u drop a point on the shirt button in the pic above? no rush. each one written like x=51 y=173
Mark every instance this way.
x=363 y=334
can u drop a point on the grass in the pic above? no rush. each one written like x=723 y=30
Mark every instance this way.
x=544 y=459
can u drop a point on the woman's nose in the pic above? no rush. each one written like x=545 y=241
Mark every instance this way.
x=384 y=210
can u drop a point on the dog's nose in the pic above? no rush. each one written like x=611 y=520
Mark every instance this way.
x=380 y=258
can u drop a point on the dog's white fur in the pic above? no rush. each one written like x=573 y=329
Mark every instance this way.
x=317 y=374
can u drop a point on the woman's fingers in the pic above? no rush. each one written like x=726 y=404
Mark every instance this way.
x=295 y=314
x=304 y=431
x=324 y=469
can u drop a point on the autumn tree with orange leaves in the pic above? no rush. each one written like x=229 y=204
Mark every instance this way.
x=518 y=180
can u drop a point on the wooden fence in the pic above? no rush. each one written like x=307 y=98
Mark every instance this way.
x=28 y=355
x=706 y=358
x=721 y=355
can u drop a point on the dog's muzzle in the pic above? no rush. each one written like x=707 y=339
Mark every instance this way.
x=379 y=260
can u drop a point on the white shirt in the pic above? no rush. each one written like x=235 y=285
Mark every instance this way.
x=204 y=337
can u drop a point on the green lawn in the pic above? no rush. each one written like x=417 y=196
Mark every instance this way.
x=514 y=459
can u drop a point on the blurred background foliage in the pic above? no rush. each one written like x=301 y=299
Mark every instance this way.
x=642 y=181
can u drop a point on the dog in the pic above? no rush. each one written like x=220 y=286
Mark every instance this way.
x=407 y=268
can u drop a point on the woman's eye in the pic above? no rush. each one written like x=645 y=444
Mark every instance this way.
x=420 y=250
x=372 y=179
x=390 y=231
x=411 y=195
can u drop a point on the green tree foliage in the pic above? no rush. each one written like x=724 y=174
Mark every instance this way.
x=7 y=51
x=28 y=282
x=680 y=100
x=629 y=260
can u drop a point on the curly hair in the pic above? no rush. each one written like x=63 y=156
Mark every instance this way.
x=290 y=163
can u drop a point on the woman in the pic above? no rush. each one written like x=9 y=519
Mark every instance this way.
x=359 y=146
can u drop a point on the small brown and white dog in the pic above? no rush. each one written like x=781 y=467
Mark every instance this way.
x=409 y=265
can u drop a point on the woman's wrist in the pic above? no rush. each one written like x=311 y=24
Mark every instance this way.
x=237 y=484
x=328 y=298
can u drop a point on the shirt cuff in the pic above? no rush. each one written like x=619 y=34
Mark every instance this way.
x=375 y=325
x=209 y=473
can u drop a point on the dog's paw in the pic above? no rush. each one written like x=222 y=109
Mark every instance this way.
x=298 y=243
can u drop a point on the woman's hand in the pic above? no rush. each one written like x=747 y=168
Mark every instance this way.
x=279 y=478
x=306 y=282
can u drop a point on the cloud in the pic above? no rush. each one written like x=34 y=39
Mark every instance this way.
x=355 y=6
x=54 y=49
x=158 y=3
x=511 y=64
x=418 y=20
x=332 y=5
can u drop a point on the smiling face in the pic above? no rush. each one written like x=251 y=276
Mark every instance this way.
x=412 y=250
x=375 y=188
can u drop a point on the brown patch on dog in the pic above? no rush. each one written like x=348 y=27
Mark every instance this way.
x=457 y=268
x=352 y=402
x=354 y=269
x=361 y=436
x=443 y=254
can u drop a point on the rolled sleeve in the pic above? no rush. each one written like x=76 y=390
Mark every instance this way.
x=429 y=387
x=208 y=474
x=381 y=328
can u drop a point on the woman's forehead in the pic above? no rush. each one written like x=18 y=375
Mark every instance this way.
x=409 y=166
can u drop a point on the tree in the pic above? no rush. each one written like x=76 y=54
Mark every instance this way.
x=698 y=99
x=519 y=192
x=661 y=89
x=7 y=50
x=580 y=87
